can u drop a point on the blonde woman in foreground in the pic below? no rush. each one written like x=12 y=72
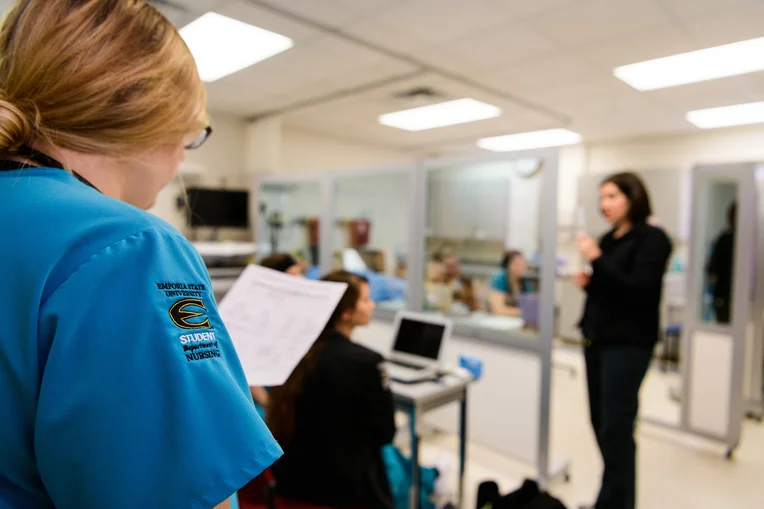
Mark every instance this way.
x=119 y=385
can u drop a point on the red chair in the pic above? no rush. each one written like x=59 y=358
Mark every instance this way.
x=260 y=493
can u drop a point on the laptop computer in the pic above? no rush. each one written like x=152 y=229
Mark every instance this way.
x=416 y=349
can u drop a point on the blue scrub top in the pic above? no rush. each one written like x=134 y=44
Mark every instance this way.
x=119 y=385
x=500 y=283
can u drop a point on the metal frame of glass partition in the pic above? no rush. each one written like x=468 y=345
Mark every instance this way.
x=743 y=176
x=539 y=345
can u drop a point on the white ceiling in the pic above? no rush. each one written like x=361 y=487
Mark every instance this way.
x=546 y=63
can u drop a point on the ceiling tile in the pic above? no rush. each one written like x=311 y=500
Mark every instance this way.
x=494 y=49
x=311 y=65
x=369 y=6
x=386 y=36
x=435 y=21
x=587 y=97
x=738 y=24
x=633 y=123
x=652 y=43
x=688 y=9
x=264 y=18
x=349 y=51
x=755 y=80
x=183 y=12
x=709 y=94
x=332 y=14
x=527 y=8
x=198 y=5
x=435 y=58
x=367 y=76
x=549 y=69
x=586 y=21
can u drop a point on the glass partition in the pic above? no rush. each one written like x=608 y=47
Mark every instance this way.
x=371 y=232
x=718 y=240
x=288 y=221
x=482 y=244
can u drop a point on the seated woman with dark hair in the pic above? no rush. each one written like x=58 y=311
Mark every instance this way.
x=281 y=262
x=334 y=414
x=507 y=285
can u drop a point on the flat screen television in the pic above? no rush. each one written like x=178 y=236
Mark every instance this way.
x=218 y=208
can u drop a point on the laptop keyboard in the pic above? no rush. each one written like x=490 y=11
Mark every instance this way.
x=405 y=364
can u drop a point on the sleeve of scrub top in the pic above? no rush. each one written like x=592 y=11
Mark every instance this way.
x=143 y=400
x=499 y=283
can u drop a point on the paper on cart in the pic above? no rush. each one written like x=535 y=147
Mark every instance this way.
x=273 y=319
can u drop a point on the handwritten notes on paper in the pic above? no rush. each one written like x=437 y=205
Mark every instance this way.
x=274 y=318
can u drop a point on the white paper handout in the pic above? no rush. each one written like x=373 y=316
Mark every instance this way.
x=273 y=319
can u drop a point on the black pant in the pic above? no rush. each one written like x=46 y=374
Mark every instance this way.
x=614 y=375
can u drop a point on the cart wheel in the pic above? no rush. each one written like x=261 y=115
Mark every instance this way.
x=730 y=454
x=566 y=477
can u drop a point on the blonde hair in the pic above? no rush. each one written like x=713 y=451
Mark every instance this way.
x=109 y=77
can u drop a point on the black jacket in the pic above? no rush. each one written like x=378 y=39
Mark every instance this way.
x=343 y=418
x=624 y=294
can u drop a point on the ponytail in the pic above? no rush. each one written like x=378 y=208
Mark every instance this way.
x=16 y=129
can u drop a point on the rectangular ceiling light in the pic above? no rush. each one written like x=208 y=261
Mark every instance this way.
x=702 y=65
x=530 y=140
x=727 y=116
x=443 y=114
x=223 y=46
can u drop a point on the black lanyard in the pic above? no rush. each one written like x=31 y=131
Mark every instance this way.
x=39 y=159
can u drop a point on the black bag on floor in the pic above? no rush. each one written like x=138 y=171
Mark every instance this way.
x=529 y=496
x=487 y=494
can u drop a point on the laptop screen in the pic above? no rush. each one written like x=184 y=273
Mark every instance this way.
x=422 y=339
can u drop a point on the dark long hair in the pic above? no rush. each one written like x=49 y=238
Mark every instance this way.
x=508 y=258
x=640 y=208
x=283 y=399
x=278 y=261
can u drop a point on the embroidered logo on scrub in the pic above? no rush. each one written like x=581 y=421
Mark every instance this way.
x=200 y=346
x=190 y=314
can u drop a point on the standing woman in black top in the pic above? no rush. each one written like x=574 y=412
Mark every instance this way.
x=621 y=324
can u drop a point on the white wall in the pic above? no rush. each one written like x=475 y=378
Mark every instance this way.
x=222 y=163
x=679 y=152
x=703 y=146
x=665 y=152
x=308 y=151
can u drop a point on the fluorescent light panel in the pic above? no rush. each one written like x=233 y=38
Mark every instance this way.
x=727 y=116
x=530 y=140
x=442 y=114
x=702 y=65
x=222 y=46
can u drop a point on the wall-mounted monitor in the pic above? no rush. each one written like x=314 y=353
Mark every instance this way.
x=218 y=208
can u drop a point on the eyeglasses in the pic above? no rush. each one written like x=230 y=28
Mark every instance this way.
x=200 y=139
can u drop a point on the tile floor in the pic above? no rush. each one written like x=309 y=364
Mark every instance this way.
x=675 y=471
